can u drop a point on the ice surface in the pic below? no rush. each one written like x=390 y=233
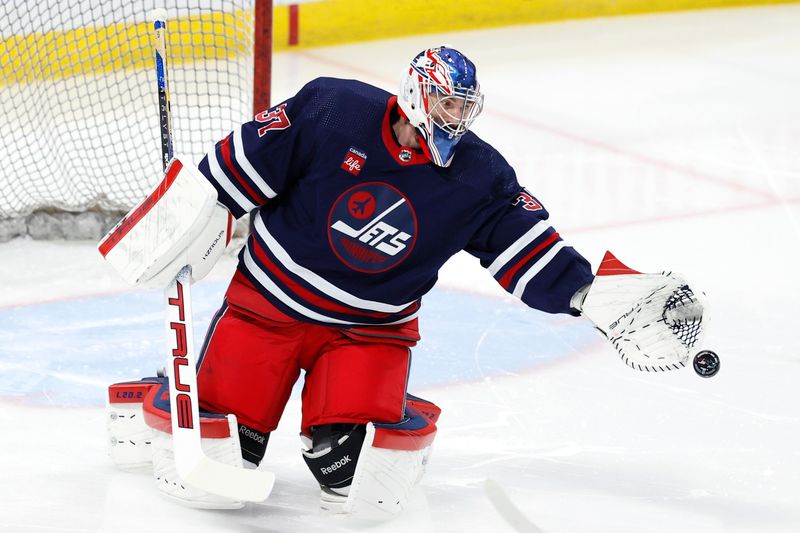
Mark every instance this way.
x=671 y=140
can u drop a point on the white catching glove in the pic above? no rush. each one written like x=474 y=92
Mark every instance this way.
x=653 y=320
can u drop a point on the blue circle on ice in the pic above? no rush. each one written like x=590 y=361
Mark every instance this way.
x=67 y=353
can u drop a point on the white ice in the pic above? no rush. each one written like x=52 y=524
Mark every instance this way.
x=671 y=140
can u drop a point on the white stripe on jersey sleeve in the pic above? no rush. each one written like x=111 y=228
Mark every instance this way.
x=241 y=158
x=220 y=177
x=509 y=253
x=537 y=267
x=316 y=280
x=265 y=280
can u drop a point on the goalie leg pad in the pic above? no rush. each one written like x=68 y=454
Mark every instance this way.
x=223 y=450
x=129 y=437
x=391 y=460
x=140 y=429
x=219 y=440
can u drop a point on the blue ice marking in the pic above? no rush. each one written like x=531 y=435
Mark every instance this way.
x=67 y=353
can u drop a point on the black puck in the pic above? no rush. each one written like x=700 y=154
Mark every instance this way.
x=706 y=363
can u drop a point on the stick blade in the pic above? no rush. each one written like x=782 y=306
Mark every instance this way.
x=507 y=510
x=229 y=481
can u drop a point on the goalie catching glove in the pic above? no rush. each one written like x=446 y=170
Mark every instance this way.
x=180 y=223
x=653 y=320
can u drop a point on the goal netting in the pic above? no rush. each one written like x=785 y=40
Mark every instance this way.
x=79 y=128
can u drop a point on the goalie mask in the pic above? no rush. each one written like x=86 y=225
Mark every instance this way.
x=440 y=96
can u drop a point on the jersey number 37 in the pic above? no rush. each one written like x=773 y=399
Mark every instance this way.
x=529 y=203
x=274 y=119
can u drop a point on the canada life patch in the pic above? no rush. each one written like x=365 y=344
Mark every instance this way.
x=372 y=227
x=354 y=161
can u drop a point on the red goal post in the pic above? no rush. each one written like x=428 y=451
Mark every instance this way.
x=79 y=126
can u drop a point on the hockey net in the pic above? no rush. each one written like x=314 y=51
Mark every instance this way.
x=79 y=129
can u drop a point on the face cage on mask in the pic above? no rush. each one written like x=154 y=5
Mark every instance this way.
x=435 y=95
x=471 y=105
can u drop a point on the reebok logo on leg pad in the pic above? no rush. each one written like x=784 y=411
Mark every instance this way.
x=335 y=466
x=253 y=443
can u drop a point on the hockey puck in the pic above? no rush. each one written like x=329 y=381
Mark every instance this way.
x=706 y=363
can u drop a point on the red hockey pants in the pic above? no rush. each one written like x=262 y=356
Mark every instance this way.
x=253 y=355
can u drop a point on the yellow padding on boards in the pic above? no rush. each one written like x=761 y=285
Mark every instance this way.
x=340 y=21
x=60 y=54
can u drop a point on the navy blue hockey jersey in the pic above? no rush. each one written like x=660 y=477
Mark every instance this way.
x=351 y=228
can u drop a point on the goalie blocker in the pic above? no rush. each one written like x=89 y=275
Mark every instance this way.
x=180 y=223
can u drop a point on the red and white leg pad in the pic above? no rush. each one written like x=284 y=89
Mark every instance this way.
x=140 y=430
x=130 y=439
x=392 y=461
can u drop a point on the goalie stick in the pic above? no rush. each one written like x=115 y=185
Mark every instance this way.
x=506 y=508
x=191 y=462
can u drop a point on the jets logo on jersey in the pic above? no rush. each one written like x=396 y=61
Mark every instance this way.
x=528 y=202
x=372 y=227
x=274 y=119
x=354 y=161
